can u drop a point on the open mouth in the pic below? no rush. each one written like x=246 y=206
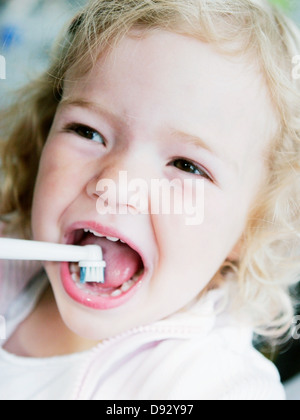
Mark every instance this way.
x=124 y=271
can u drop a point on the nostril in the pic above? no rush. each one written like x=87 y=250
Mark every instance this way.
x=91 y=189
x=95 y=196
x=120 y=197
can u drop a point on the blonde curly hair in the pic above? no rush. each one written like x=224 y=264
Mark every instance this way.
x=269 y=262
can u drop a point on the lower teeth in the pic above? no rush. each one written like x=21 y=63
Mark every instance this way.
x=75 y=274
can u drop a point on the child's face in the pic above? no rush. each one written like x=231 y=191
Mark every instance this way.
x=143 y=110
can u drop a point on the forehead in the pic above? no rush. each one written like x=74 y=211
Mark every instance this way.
x=163 y=78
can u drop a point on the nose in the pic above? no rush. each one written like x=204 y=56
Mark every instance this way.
x=117 y=191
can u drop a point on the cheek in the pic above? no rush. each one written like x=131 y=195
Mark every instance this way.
x=58 y=182
x=204 y=247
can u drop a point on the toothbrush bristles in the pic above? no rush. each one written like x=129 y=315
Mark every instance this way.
x=92 y=271
x=92 y=275
x=82 y=275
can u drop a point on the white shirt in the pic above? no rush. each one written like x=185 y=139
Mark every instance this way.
x=292 y=388
x=193 y=355
x=38 y=379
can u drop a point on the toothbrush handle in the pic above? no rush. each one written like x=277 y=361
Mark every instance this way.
x=17 y=249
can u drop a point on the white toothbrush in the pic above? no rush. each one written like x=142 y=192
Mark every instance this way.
x=89 y=257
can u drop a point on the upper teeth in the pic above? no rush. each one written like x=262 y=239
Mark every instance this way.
x=110 y=238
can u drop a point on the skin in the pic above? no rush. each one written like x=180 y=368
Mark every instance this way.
x=155 y=86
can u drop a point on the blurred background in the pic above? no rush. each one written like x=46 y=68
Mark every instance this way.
x=28 y=28
x=27 y=31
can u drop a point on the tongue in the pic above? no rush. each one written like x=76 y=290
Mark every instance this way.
x=122 y=262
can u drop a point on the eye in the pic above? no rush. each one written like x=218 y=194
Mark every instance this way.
x=85 y=132
x=191 y=168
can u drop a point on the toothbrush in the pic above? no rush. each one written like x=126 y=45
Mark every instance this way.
x=89 y=257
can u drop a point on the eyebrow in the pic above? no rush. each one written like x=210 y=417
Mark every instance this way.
x=199 y=143
x=192 y=140
x=95 y=107
x=188 y=139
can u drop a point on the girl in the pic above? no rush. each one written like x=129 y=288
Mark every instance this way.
x=171 y=90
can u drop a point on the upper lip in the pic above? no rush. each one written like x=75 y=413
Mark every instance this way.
x=110 y=232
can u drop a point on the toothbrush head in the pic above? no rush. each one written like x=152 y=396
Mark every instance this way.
x=92 y=272
x=92 y=267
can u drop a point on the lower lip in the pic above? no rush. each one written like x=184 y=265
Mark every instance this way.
x=95 y=302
